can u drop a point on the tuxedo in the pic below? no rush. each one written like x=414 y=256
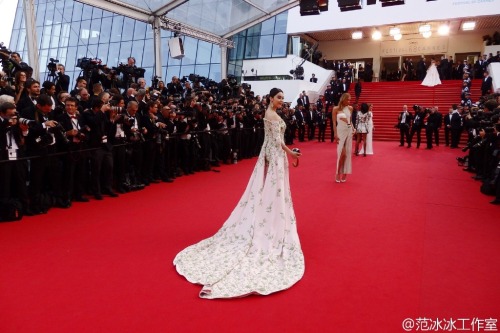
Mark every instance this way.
x=313 y=80
x=416 y=128
x=447 y=129
x=13 y=174
x=300 y=124
x=479 y=68
x=343 y=88
x=322 y=120
x=486 y=85
x=311 y=120
x=303 y=101
x=75 y=163
x=99 y=137
x=432 y=123
x=456 y=128
x=404 y=123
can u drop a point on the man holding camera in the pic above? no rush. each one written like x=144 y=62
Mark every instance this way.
x=41 y=145
x=75 y=162
x=62 y=83
x=13 y=172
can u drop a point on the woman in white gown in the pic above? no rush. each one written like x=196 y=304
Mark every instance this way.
x=369 y=135
x=342 y=129
x=257 y=250
x=432 y=77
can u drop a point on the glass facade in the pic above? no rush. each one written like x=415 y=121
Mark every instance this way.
x=264 y=40
x=68 y=30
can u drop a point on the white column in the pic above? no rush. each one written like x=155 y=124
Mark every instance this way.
x=223 y=62
x=157 y=46
x=31 y=39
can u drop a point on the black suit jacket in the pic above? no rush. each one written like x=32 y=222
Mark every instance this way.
x=486 y=85
x=16 y=134
x=62 y=83
x=456 y=121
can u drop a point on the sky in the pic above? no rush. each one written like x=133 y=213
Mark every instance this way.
x=8 y=10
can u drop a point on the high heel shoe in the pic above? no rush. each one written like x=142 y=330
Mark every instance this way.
x=364 y=155
x=344 y=179
x=356 y=153
x=337 y=178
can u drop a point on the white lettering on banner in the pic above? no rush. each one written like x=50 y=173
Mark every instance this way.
x=414 y=47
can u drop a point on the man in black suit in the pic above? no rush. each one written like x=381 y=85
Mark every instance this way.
x=418 y=123
x=439 y=121
x=447 y=126
x=421 y=68
x=75 y=162
x=486 y=84
x=455 y=127
x=443 y=68
x=29 y=100
x=431 y=124
x=62 y=83
x=41 y=144
x=13 y=172
x=101 y=160
x=344 y=87
x=311 y=121
x=480 y=67
x=301 y=124
x=303 y=100
x=322 y=120
x=404 y=123
x=313 y=79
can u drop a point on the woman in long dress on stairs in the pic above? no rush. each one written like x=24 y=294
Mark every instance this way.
x=257 y=250
x=432 y=77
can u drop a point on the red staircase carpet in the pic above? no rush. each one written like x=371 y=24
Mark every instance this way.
x=388 y=99
x=409 y=235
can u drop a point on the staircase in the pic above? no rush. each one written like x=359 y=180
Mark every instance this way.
x=388 y=99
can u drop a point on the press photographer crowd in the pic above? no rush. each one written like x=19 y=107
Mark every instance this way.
x=58 y=146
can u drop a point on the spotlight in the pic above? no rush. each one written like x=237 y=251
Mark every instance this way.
x=469 y=25
x=357 y=35
x=427 y=34
x=397 y=36
x=376 y=35
x=444 y=30
x=424 y=27
x=394 y=31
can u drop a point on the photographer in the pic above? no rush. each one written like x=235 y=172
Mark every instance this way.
x=5 y=87
x=404 y=124
x=418 y=123
x=101 y=161
x=45 y=168
x=152 y=143
x=13 y=172
x=134 y=133
x=75 y=162
x=62 y=82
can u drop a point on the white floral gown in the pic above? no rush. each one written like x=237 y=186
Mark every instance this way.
x=257 y=250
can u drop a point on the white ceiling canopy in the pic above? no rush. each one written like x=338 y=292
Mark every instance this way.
x=222 y=18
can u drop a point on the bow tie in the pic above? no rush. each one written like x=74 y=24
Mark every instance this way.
x=72 y=117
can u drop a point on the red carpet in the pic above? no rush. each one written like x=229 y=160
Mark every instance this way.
x=408 y=235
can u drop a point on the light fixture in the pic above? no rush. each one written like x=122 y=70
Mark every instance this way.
x=397 y=36
x=394 y=31
x=427 y=34
x=376 y=35
x=357 y=35
x=424 y=27
x=444 y=30
x=469 y=25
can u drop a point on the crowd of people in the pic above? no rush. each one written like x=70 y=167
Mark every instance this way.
x=480 y=121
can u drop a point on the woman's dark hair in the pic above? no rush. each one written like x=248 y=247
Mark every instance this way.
x=272 y=93
x=364 y=108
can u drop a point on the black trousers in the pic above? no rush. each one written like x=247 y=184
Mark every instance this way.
x=404 y=134
x=321 y=132
x=447 y=134
x=13 y=175
x=455 y=137
x=101 y=164
x=428 y=135
x=416 y=130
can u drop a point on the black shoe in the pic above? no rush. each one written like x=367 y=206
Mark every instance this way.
x=477 y=177
x=401 y=145
x=167 y=180
x=98 y=196
x=81 y=199
x=155 y=181
x=63 y=203
x=111 y=194
x=495 y=202
x=409 y=146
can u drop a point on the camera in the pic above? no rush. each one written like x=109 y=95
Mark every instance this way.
x=52 y=65
x=60 y=133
